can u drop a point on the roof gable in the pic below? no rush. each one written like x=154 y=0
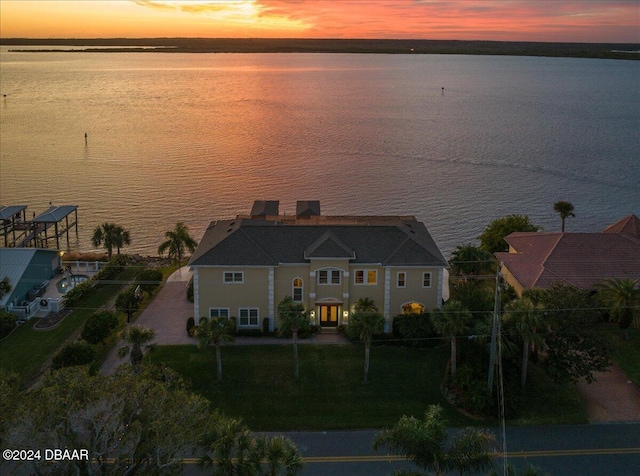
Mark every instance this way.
x=329 y=246
x=629 y=225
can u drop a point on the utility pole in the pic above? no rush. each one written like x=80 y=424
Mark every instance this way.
x=495 y=330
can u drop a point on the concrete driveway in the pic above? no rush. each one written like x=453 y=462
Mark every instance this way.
x=166 y=314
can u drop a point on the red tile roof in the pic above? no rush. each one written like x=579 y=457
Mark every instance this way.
x=629 y=224
x=579 y=259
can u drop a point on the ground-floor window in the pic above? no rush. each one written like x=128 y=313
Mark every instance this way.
x=412 y=308
x=248 y=316
x=219 y=312
x=297 y=289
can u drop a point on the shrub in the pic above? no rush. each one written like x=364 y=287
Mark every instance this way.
x=99 y=326
x=417 y=329
x=74 y=353
x=7 y=323
x=79 y=292
x=265 y=326
x=190 y=290
x=149 y=279
x=191 y=324
x=114 y=267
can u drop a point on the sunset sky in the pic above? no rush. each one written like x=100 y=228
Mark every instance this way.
x=517 y=20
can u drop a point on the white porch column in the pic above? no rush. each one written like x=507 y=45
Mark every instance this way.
x=196 y=296
x=387 y=298
x=272 y=307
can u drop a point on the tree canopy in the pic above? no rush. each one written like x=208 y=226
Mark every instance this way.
x=492 y=238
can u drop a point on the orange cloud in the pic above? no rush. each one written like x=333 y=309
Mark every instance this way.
x=516 y=20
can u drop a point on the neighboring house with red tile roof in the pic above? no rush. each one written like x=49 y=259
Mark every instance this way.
x=538 y=260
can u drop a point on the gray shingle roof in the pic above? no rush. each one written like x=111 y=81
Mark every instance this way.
x=245 y=242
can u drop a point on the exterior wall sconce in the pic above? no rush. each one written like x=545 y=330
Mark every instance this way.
x=345 y=314
x=312 y=314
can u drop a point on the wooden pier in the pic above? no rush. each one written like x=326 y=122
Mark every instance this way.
x=52 y=224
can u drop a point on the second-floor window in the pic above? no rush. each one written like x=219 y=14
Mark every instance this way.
x=426 y=280
x=329 y=276
x=233 y=277
x=366 y=276
x=402 y=279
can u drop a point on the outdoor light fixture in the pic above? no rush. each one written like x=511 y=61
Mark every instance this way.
x=312 y=314
x=345 y=314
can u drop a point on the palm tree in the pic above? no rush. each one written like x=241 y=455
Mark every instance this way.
x=363 y=325
x=365 y=305
x=215 y=330
x=451 y=320
x=293 y=317
x=564 y=209
x=128 y=302
x=110 y=236
x=121 y=238
x=177 y=240
x=427 y=443
x=280 y=455
x=622 y=296
x=135 y=337
x=526 y=320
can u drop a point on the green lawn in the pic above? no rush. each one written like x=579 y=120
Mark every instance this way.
x=26 y=350
x=258 y=386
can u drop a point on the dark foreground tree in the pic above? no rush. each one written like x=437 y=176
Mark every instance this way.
x=215 y=330
x=363 y=326
x=293 y=318
x=564 y=209
x=177 y=241
x=427 y=444
x=492 y=238
x=128 y=422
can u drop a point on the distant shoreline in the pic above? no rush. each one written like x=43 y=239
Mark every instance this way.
x=627 y=51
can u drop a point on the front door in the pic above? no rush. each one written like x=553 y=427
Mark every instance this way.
x=329 y=316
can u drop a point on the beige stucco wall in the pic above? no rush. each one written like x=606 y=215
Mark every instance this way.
x=413 y=291
x=512 y=281
x=254 y=292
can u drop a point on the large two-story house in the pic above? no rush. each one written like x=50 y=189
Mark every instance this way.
x=246 y=266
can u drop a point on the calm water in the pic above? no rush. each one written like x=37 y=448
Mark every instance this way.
x=178 y=137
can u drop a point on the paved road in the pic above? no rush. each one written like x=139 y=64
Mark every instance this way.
x=583 y=450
